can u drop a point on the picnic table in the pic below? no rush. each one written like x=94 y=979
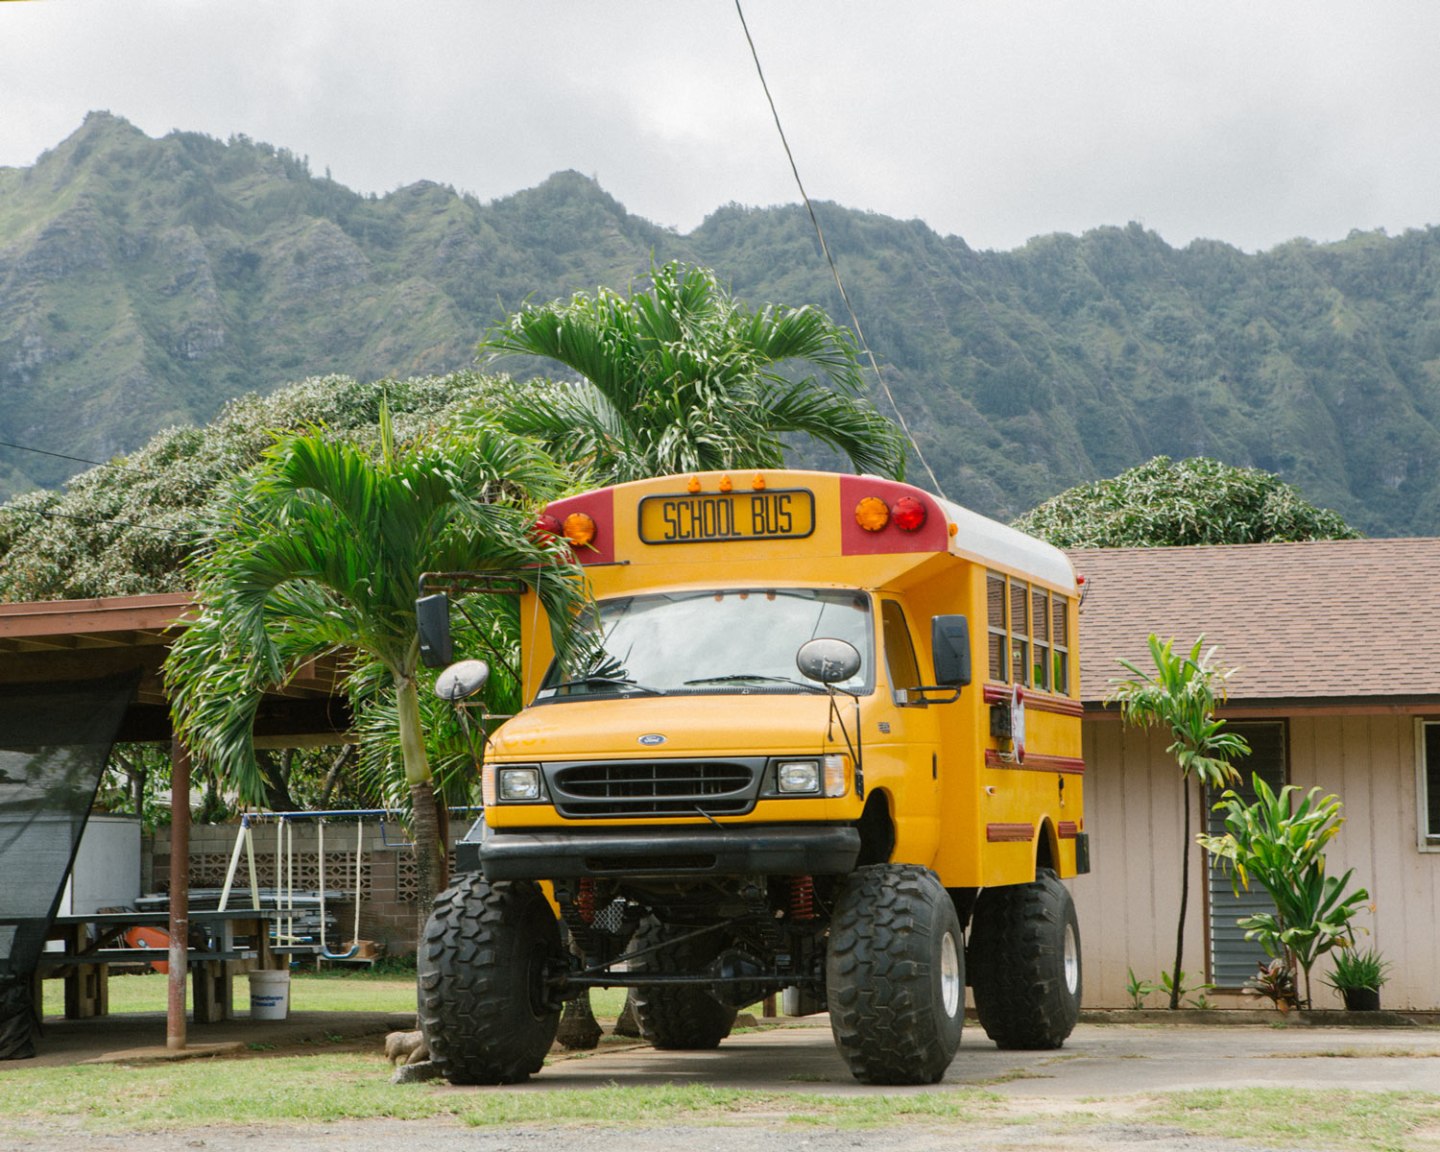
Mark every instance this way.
x=222 y=945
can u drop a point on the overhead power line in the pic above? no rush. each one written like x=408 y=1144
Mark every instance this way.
x=825 y=248
x=57 y=455
x=95 y=521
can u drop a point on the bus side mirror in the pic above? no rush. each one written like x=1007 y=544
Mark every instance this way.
x=432 y=621
x=950 y=640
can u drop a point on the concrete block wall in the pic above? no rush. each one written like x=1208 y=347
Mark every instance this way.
x=388 y=879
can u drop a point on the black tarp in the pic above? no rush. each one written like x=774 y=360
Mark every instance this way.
x=54 y=741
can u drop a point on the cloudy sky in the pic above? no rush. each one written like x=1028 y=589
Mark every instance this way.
x=996 y=120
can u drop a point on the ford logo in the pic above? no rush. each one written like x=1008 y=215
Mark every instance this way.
x=650 y=739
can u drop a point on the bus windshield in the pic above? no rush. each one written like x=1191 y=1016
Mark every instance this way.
x=732 y=640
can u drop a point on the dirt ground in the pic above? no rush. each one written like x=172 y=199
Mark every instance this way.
x=1109 y=1068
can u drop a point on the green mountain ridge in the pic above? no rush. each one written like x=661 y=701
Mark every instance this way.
x=144 y=282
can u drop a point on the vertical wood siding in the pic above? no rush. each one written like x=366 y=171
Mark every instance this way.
x=1129 y=902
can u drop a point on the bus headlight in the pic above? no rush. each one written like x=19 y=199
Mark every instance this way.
x=793 y=776
x=519 y=785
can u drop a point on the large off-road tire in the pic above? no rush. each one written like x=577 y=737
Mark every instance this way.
x=895 y=975
x=1024 y=962
x=678 y=1017
x=483 y=966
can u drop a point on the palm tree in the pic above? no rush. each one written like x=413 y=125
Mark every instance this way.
x=681 y=378
x=319 y=550
x=1181 y=694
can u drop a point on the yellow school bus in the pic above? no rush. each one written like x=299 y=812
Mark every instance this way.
x=825 y=742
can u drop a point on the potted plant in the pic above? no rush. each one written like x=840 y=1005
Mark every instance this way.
x=1357 y=976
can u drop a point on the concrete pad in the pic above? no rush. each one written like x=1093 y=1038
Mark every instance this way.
x=1099 y=1060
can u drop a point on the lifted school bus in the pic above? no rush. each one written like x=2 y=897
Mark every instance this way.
x=780 y=775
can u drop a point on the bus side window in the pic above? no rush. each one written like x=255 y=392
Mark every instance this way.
x=899 y=652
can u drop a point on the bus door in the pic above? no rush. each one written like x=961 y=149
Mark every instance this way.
x=902 y=739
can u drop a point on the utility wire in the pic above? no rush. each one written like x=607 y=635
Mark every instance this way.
x=95 y=521
x=56 y=455
x=825 y=248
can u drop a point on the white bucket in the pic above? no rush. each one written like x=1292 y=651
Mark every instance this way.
x=269 y=994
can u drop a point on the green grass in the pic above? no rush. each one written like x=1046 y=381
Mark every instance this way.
x=1302 y=1118
x=346 y=992
x=331 y=990
x=329 y=1086
x=336 y=1086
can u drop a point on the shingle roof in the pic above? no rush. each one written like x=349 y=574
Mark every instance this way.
x=1322 y=619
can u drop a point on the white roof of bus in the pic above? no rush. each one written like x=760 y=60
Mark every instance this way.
x=989 y=541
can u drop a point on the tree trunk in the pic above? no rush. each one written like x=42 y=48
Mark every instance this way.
x=1184 y=899
x=425 y=824
x=332 y=777
x=429 y=864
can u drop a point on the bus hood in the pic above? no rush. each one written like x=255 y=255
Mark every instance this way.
x=671 y=726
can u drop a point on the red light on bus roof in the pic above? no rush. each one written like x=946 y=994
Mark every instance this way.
x=872 y=514
x=546 y=527
x=909 y=514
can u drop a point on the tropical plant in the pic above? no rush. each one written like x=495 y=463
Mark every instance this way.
x=1138 y=989
x=1178 y=990
x=1357 y=968
x=1195 y=501
x=1284 y=851
x=681 y=378
x=1275 y=980
x=1181 y=694
x=319 y=550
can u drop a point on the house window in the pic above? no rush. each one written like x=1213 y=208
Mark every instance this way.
x=1427 y=755
x=1233 y=959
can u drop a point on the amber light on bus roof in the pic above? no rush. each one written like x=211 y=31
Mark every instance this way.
x=579 y=529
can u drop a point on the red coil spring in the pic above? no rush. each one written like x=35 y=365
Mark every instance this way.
x=585 y=900
x=802 y=898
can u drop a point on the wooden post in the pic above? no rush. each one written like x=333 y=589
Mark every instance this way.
x=179 y=893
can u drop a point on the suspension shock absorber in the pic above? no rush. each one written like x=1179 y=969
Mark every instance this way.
x=585 y=899
x=802 y=898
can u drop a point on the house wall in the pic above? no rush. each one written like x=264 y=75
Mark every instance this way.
x=1128 y=904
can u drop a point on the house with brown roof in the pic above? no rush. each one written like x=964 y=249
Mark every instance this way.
x=1336 y=646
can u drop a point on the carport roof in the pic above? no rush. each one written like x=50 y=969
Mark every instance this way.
x=64 y=640
x=1325 y=621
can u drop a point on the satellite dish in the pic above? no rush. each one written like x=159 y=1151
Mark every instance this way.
x=462 y=680
x=828 y=660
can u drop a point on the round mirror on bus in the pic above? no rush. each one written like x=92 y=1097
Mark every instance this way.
x=828 y=660
x=462 y=680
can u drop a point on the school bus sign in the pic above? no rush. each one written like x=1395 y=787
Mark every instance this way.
x=703 y=517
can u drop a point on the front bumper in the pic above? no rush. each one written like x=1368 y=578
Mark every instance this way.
x=737 y=849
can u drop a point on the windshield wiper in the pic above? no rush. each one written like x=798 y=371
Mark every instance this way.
x=747 y=677
x=610 y=681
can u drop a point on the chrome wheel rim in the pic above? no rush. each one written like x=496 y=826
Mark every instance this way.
x=951 y=986
x=1072 y=961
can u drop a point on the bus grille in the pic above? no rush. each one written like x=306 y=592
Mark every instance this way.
x=625 y=788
